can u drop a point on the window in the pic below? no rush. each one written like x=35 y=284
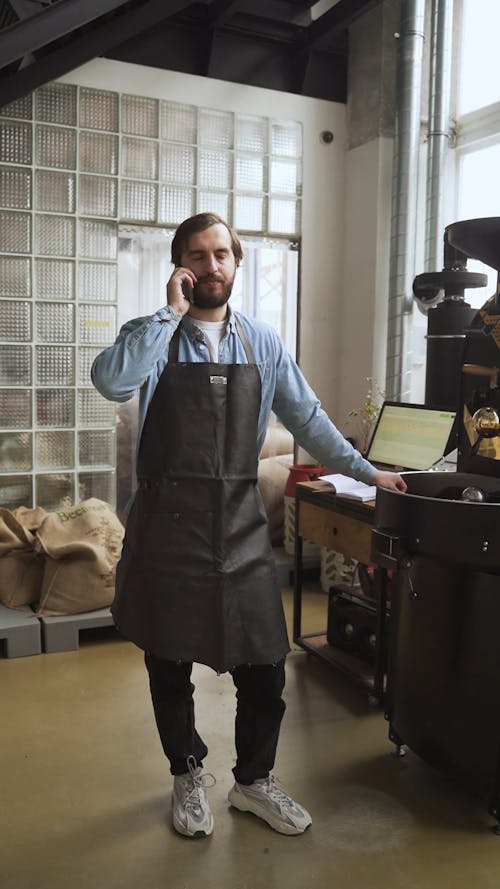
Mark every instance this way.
x=477 y=186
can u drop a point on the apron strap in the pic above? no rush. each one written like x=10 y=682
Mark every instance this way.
x=245 y=343
x=173 y=349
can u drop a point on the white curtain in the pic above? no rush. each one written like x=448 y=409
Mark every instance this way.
x=144 y=268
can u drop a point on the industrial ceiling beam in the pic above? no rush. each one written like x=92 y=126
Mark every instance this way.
x=89 y=45
x=49 y=24
x=336 y=19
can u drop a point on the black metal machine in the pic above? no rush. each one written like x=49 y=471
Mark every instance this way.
x=479 y=436
x=442 y=540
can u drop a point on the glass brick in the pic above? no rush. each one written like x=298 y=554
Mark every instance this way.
x=55 y=147
x=55 y=322
x=15 y=232
x=15 y=321
x=139 y=116
x=15 y=276
x=251 y=134
x=98 y=109
x=139 y=159
x=214 y=202
x=55 y=279
x=15 y=142
x=15 y=408
x=177 y=164
x=55 y=365
x=15 y=490
x=15 y=451
x=98 y=153
x=96 y=448
x=215 y=169
x=286 y=138
x=55 y=450
x=55 y=235
x=56 y=103
x=15 y=365
x=249 y=172
x=55 y=491
x=19 y=108
x=97 y=324
x=138 y=201
x=284 y=177
x=178 y=122
x=97 y=484
x=284 y=216
x=55 y=407
x=97 y=196
x=55 y=191
x=175 y=204
x=216 y=128
x=98 y=240
x=94 y=410
x=249 y=213
x=86 y=356
x=15 y=188
x=97 y=281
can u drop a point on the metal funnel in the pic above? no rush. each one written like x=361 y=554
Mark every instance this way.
x=478 y=239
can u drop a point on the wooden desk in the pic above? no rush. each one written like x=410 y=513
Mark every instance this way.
x=344 y=526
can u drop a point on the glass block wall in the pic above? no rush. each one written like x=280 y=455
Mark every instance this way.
x=74 y=162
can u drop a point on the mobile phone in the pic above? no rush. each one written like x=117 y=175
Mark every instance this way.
x=187 y=291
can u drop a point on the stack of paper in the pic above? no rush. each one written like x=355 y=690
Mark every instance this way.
x=349 y=488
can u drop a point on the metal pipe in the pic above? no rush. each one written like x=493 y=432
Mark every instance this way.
x=438 y=129
x=404 y=200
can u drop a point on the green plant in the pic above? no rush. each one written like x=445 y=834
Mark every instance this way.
x=366 y=415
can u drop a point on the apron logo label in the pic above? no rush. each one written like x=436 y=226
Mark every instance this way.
x=218 y=380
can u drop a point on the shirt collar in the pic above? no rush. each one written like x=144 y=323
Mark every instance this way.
x=193 y=331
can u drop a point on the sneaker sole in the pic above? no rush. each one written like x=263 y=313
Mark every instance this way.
x=244 y=804
x=197 y=835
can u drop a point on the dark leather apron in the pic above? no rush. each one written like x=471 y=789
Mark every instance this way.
x=197 y=579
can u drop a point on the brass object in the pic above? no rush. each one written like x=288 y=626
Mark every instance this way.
x=486 y=422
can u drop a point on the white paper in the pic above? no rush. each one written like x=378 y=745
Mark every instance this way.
x=349 y=487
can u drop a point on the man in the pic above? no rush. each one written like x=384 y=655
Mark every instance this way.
x=196 y=581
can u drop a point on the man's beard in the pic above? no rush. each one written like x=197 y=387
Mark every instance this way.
x=208 y=300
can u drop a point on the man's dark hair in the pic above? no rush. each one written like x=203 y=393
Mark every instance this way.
x=199 y=223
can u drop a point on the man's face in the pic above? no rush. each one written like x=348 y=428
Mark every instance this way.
x=210 y=256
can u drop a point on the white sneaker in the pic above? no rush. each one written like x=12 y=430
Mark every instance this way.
x=266 y=800
x=191 y=815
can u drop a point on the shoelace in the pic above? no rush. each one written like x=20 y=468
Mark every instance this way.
x=277 y=794
x=201 y=782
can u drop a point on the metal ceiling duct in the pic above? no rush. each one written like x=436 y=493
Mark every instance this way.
x=438 y=128
x=404 y=199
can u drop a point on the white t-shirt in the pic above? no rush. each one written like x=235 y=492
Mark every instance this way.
x=213 y=331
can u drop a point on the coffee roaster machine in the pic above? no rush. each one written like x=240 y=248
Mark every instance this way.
x=442 y=542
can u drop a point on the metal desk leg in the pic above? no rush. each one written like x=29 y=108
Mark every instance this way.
x=380 y=666
x=297 y=579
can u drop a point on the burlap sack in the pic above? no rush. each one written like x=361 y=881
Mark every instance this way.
x=30 y=518
x=21 y=566
x=82 y=545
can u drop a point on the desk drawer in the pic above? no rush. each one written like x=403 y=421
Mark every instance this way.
x=348 y=536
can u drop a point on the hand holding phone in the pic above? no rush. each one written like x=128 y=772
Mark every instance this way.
x=180 y=290
x=187 y=291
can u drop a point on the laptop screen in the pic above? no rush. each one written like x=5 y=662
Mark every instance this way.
x=411 y=436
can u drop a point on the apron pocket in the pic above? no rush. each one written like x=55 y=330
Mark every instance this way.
x=181 y=542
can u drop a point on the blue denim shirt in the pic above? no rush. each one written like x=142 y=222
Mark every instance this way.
x=140 y=352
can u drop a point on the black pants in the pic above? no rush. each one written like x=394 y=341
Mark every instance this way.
x=259 y=712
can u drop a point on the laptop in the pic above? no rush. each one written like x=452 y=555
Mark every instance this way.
x=411 y=436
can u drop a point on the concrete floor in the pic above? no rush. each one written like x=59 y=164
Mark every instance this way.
x=85 y=791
